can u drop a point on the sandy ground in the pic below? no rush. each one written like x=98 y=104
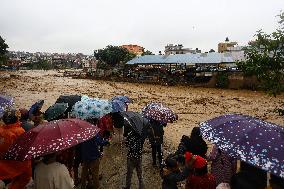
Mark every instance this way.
x=193 y=105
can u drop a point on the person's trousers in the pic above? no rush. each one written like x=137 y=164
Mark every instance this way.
x=91 y=167
x=157 y=149
x=133 y=163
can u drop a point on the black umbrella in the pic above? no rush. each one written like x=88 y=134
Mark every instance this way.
x=69 y=99
x=55 y=111
x=136 y=121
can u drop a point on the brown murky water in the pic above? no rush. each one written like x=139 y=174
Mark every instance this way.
x=193 y=106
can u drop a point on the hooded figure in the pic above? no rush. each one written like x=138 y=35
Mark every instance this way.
x=196 y=144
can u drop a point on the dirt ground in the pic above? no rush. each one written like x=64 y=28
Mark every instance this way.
x=193 y=105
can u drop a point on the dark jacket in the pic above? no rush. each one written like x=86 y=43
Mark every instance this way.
x=171 y=179
x=134 y=143
x=156 y=131
x=197 y=146
x=90 y=148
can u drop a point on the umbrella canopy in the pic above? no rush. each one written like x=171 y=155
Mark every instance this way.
x=136 y=121
x=51 y=137
x=69 y=99
x=118 y=106
x=89 y=108
x=249 y=139
x=124 y=99
x=35 y=106
x=55 y=111
x=5 y=102
x=159 y=112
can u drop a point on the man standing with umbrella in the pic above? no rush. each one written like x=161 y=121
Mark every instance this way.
x=137 y=127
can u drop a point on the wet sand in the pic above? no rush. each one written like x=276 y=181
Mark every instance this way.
x=193 y=105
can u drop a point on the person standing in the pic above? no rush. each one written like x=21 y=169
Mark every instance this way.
x=196 y=144
x=134 y=142
x=50 y=174
x=156 y=140
x=200 y=179
x=90 y=157
x=223 y=167
x=19 y=172
x=26 y=124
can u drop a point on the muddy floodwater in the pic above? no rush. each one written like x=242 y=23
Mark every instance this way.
x=193 y=105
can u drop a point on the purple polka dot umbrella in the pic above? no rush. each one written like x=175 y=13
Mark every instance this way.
x=159 y=112
x=51 y=137
x=249 y=139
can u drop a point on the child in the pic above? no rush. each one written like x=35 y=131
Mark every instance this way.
x=171 y=173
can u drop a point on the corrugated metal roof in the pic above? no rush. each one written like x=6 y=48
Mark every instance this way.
x=199 y=58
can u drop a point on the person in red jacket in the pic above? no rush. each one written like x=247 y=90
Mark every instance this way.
x=200 y=179
x=17 y=171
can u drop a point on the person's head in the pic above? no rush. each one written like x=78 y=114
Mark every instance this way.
x=24 y=114
x=11 y=116
x=106 y=134
x=195 y=132
x=184 y=139
x=171 y=163
x=200 y=166
x=93 y=121
x=245 y=180
x=276 y=182
x=49 y=158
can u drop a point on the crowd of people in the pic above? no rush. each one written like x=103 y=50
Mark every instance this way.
x=79 y=166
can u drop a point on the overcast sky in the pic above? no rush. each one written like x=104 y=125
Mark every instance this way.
x=85 y=25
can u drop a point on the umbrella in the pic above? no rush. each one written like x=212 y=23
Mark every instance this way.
x=135 y=120
x=159 y=112
x=51 y=137
x=250 y=139
x=69 y=99
x=35 y=106
x=55 y=111
x=124 y=99
x=5 y=102
x=89 y=108
x=118 y=106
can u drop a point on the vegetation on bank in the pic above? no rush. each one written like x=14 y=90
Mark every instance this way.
x=265 y=59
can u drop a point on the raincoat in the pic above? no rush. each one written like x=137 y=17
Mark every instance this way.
x=20 y=172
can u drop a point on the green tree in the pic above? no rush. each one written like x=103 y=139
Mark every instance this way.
x=40 y=65
x=147 y=52
x=113 y=55
x=3 y=51
x=265 y=59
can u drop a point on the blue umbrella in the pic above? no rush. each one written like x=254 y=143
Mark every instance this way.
x=249 y=139
x=124 y=99
x=118 y=106
x=89 y=108
x=35 y=106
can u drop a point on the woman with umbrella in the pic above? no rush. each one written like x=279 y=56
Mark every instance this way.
x=159 y=115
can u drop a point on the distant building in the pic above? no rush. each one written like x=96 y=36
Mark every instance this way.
x=225 y=46
x=89 y=64
x=136 y=49
x=178 y=49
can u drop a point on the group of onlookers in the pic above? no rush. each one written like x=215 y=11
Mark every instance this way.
x=188 y=163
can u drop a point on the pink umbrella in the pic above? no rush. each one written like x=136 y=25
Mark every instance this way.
x=51 y=137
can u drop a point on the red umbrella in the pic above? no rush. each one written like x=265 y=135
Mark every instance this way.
x=51 y=137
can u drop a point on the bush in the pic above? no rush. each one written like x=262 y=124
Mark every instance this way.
x=222 y=80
